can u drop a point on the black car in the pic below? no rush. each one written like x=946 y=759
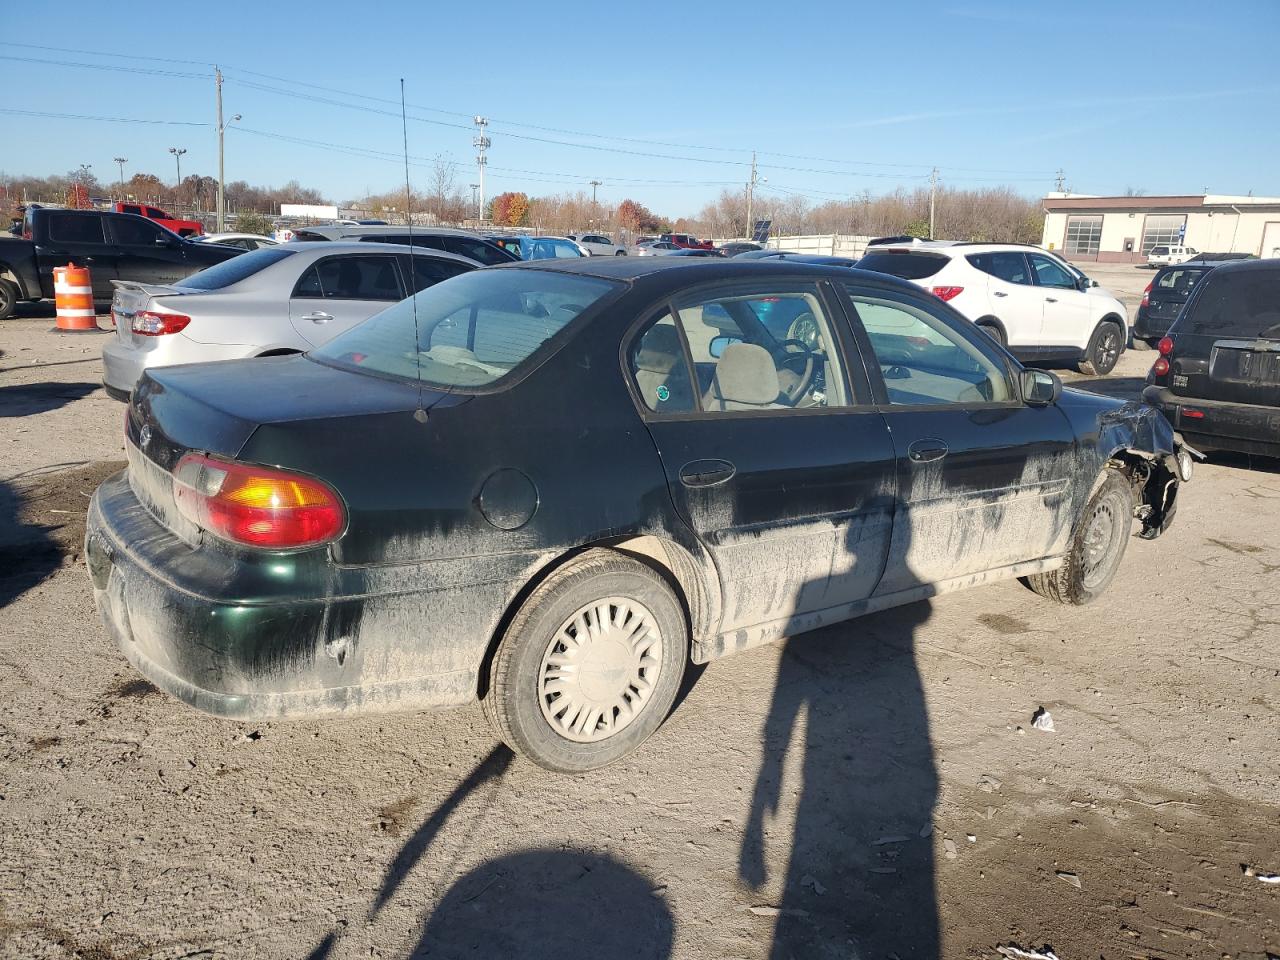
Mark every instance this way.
x=735 y=247
x=1217 y=378
x=698 y=252
x=1164 y=297
x=552 y=486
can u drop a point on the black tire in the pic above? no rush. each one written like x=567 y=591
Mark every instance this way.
x=514 y=704
x=1139 y=344
x=1103 y=353
x=620 y=253
x=993 y=331
x=8 y=299
x=1097 y=546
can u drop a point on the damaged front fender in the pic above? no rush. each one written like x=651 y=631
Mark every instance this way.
x=1135 y=438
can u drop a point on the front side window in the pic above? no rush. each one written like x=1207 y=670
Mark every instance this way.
x=762 y=351
x=75 y=228
x=477 y=250
x=351 y=278
x=1048 y=273
x=924 y=361
x=157 y=214
x=130 y=208
x=469 y=331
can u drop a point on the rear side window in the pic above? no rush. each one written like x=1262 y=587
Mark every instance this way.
x=75 y=228
x=130 y=208
x=157 y=214
x=351 y=278
x=477 y=250
x=236 y=269
x=906 y=264
x=1238 y=303
x=1004 y=265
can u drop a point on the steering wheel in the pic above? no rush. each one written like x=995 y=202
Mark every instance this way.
x=788 y=359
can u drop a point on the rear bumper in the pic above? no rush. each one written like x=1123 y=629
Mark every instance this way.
x=122 y=368
x=273 y=639
x=1146 y=327
x=1242 y=427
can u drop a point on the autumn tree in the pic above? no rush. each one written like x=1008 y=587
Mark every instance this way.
x=636 y=217
x=510 y=209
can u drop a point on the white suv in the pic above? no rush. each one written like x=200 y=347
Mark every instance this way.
x=598 y=245
x=1161 y=255
x=1037 y=305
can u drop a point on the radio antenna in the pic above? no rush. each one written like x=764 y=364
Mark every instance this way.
x=419 y=414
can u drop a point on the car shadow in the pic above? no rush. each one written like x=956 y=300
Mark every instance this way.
x=29 y=399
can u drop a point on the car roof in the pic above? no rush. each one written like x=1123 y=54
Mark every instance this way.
x=360 y=230
x=1246 y=266
x=350 y=246
x=682 y=270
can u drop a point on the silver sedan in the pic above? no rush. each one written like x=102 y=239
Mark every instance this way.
x=282 y=299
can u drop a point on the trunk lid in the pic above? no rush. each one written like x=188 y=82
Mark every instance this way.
x=216 y=407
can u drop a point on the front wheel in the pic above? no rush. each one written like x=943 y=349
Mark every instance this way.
x=620 y=253
x=1096 y=549
x=8 y=299
x=590 y=665
x=1103 y=351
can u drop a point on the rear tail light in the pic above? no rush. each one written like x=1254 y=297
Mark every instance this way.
x=947 y=293
x=151 y=324
x=1192 y=413
x=1160 y=367
x=1146 y=295
x=1165 y=346
x=257 y=506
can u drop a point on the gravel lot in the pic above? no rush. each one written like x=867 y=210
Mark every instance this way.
x=874 y=789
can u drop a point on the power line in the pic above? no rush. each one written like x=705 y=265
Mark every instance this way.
x=107 y=66
x=81 y=116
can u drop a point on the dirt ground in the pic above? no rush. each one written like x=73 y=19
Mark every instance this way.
x=871 y=790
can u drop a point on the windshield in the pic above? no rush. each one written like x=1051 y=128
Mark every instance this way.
x=234 y=270
x=471 y=330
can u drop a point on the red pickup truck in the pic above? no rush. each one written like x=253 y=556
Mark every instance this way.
x=183 y=228
x=687 y=241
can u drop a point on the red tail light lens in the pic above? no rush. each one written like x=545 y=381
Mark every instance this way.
x=257 y=506
x=1146 y=295
x=150 y=324
x=1192 y=413
x=1160 y=367
x=1165 y=346
x=947 y=293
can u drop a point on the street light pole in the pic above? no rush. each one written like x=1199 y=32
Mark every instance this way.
x=222 y=129
x=122 y=161
x=177 y=158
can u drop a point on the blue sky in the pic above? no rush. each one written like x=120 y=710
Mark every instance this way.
x=839 y=98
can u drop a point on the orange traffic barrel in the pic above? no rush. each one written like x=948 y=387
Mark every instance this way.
x=73 y=300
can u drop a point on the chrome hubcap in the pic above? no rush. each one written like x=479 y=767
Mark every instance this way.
x=599 y=669
x=1109 y=350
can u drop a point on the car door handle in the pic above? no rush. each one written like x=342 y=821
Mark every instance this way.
x=707 y=473
x=318 y=317
x=928 y=450
x=1050 y=299
x=999 y=293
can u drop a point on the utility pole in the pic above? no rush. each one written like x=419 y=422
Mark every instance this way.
x=122 y=161
x=1061 y=179
x=933 y=192
x=222 y=129
x=481 y=143
x=751 y=189
x=479 y=212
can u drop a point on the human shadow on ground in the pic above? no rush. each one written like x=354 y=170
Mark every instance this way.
x=29 y=399
x=28 y=554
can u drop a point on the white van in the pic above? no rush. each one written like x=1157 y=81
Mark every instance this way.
x=1161 y=255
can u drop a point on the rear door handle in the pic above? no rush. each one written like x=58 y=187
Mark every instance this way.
x=318 y=317
x=1050 y=299
x=999 y=293
x=927 y=450
x=706 y=473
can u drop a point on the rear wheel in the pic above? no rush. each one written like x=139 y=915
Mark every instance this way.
x=8 y=299
x=620 y=253
x=1096 y=549
x=993 y=331
x=1103 y=351
x=590 y=665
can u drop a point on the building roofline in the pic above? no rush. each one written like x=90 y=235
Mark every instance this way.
x=1060 y=204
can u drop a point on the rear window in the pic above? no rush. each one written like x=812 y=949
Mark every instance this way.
x=236 y=269
x=308 y=236
x=469 y=331
x=1178 y=281
x=906 y=264
x=1237 y=303
x=1159 y=251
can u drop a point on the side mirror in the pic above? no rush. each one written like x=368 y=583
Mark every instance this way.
x=1040 y=388
x=1083 y=283
x=720 y=344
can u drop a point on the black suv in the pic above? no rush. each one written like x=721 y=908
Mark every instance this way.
x=1164 y=297
x=1217 y=378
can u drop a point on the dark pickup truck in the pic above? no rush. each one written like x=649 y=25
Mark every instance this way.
x=114 y=246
